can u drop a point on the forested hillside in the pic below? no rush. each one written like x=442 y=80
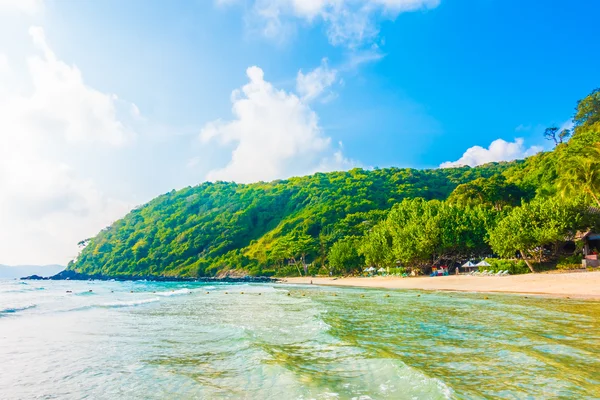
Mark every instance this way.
x=342 y=221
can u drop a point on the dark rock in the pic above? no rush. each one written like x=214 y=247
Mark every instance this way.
x=34 y=278
x=76 y=276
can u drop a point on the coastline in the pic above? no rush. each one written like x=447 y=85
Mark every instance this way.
x=76 y=276
x=576 y=285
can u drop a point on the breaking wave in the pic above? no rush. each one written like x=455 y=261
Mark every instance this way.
x=117 y=304
x=13 y=310
x=174 y=292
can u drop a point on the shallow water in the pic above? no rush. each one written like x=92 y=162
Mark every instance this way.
x=138 y=340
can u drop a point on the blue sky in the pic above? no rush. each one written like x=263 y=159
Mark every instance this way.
x=471 y=71
x=113 y=102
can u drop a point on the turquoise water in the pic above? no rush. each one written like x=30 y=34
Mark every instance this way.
x=137 y=340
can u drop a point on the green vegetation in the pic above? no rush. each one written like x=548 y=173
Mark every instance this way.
x=418 y=233
x=340 y=222
x=344 y=256
x=532 y=227
x=514 y=267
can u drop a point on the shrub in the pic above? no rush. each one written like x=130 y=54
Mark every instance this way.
x=514 y=267
x=569 y=262
x=288 y=270
x=573 y=259
x=258 y=270
x=314 y=270
x=565 y=266
x=397 y=271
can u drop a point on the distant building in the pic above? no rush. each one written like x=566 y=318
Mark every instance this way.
x=591 y=248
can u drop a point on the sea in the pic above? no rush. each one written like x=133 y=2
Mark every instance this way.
x=149 y=340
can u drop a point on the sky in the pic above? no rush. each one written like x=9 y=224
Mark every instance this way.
x=107 y=104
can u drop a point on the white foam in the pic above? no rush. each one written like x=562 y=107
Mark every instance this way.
x=116 y=304
x=174 y=293
x=15 y=309
x=131 y=303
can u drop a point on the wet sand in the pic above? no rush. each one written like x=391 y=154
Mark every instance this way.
x=582 y=285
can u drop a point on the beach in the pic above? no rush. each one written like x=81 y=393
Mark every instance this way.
x=581 y=285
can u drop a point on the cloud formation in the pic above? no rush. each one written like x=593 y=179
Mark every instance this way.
x=46 y=204
x=499 y=150
x=314 y=83
x=23 y=6
x=349 y=23
x=274 y=134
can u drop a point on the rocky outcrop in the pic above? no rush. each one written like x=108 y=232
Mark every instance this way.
x=76 y=276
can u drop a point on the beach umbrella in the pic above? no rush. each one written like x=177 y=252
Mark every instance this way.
x=370 y=269
x=381 y=270
x=468 y=264
x=483 y=263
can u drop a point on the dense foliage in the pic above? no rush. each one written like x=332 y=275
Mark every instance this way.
x=537 y=225
x=340 y=222
x=222 y=226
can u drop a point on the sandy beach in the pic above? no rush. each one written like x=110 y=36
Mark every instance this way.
x=582 y=285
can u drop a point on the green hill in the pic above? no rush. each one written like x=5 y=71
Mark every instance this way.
x=213 y=228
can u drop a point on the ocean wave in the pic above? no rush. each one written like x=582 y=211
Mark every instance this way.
x=246 y=288
x=84 y=293
x=22 y=290
x=174 y=292
x=131 y=303
x=12 y=310
x=116 y=304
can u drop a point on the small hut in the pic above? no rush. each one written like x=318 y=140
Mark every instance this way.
x=591 y=248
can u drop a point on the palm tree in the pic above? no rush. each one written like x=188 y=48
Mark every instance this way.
x=581 y=174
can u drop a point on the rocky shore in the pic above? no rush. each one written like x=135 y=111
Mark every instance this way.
x=76 y=276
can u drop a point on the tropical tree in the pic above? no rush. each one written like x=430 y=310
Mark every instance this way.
x=344 y=257
x=564 y=135
x=495 y=191
x=556 y=135
x=463 y=232
x=581 y=175
x=588 y=109
x=527 y=229
x=301 y=245
x=376 y=246
x=415 y=231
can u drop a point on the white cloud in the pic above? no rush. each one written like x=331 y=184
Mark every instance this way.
x=568 y=124
x=23 y=6
x=499 y=150
x=357 y=58
x=274 y=135
x=46 y=203
x=312 y=84
x=349 y=22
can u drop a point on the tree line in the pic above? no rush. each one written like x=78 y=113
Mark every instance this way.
x=340 y=222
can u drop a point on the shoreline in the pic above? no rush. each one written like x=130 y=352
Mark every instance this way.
x=575 y=285
x=76 y=276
